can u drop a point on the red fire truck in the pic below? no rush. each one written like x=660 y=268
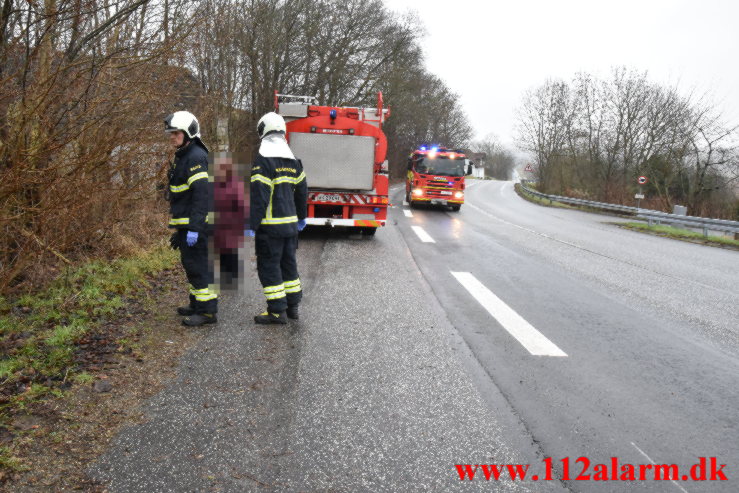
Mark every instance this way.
x=436 y=176
x=343 y=153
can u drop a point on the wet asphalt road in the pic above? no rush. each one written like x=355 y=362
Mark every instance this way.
x=395 y=372
x=650 y=327
x=372 y=390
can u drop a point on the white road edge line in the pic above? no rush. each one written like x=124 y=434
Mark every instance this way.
x=653 y=463
x=423 y=235
x=534 y=341
x=407 y=213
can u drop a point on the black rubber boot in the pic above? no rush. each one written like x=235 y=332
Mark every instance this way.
x=271 y=318
x=199 y=319
x=185 y=311
x=292 y=312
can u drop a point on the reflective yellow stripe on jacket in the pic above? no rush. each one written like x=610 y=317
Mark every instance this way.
x=268 y=219
x=197 y=176
x=186 y=187
x=280 y=220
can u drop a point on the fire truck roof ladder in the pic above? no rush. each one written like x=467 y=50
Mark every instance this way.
x=307 y=100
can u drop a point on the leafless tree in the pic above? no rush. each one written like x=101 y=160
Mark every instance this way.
x=77 y=138
x=595 y=137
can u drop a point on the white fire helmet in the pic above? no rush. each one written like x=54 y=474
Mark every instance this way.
x=184 y=121
x=271 y=123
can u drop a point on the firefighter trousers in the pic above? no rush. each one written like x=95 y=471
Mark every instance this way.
x=203 y=299
x=278 y=271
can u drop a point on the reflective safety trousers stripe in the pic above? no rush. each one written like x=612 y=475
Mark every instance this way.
x=274 y=292
x=292 y=286
x=205 y=294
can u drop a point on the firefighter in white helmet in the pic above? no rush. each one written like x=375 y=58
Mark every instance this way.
x=278 y=209
x=190 y=199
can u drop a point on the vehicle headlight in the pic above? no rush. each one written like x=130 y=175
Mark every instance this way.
x=458 y=195
x=417 y=191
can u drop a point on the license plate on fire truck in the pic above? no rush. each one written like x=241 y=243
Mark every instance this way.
x=445 y=192
x=328 y=197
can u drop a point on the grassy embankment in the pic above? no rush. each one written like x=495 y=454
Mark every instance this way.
x=681 y=234
x=42 y=334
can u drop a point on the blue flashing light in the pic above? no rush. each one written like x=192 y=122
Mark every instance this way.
x=332 y=114
x=376 y=209
x=434 y=149
x=423 y=148
x=450 y=182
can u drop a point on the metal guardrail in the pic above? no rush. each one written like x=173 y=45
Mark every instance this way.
x=652 y=216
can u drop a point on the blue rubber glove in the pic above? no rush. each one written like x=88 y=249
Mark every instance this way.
x=192 y=238
x=301 y=225
x=249 y=232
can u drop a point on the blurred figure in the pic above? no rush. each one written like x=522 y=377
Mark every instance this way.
x=231 y=217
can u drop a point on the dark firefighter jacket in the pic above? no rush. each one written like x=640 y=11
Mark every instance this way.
x=189 y=190
x=278 y=195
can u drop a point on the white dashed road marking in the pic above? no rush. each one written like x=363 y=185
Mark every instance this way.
x=423 y=235
x=533 y=340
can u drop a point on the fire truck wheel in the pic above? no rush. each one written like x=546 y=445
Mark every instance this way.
x=456 y=208
x=369 y=231
x=411 y=204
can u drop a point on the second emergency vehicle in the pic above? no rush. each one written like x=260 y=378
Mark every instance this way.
x=436 y=176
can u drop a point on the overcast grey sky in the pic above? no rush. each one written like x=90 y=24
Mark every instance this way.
x=490 y=52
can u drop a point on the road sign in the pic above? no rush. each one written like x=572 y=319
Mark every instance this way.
x=639 y=196
x=642 y=180
x=529 y=168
